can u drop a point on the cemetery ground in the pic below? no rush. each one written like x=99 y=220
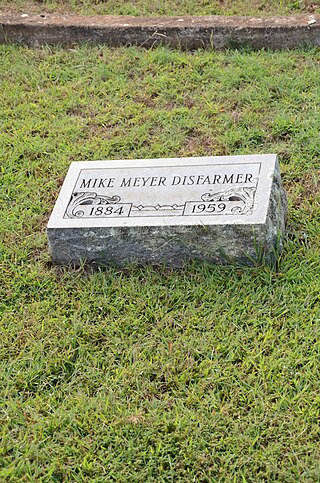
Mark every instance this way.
x=165 y=7
x=207 y=373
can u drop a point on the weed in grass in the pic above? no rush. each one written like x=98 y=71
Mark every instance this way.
x=202 y=374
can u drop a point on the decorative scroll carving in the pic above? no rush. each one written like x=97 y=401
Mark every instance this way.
x=238 y=201
x=80 y=199
x=244 y=197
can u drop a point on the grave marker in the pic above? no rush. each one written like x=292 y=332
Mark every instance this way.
x=228 y=209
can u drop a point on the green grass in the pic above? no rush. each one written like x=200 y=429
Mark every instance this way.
x=147 y=374
x=163 y=7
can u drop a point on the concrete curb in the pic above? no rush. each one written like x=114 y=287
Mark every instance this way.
x=188 y=33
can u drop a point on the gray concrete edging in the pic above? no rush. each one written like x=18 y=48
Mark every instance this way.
x=187 y=33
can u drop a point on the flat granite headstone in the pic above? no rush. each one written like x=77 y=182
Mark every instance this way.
x=228 y=209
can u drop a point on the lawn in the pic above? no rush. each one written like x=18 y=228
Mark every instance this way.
x=149 y=374
x=163 y=7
